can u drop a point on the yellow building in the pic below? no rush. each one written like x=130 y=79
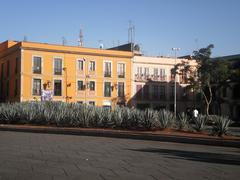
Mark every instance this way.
x=72 y=74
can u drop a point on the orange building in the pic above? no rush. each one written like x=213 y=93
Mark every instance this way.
x=71 y=74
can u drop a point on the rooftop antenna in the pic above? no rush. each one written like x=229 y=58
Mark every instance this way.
x=25 y=38
x=64 y=41
x=131 y=34
x=100 y=44
x=80 y=40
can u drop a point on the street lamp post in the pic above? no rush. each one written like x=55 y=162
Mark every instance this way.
x=175 y=83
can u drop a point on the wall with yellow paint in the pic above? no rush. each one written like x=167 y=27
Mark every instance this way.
x=70 y=75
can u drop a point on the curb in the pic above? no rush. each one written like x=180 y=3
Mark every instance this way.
x=124 y=134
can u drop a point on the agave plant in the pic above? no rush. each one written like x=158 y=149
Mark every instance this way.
x=165 y=118
x=182 y=121
x=9 y=113
x=148 y=118
x=136 y=117
x=199 y=122
x=221 y=125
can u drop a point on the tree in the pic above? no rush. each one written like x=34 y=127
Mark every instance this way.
x=204 y=72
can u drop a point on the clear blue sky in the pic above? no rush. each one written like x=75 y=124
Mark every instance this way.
x=160 y=24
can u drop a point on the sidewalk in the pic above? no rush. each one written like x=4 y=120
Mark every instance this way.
x=166 y=136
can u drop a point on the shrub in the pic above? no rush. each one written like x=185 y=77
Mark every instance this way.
x=199 y=123
x=182 y=121
x=221 y=125
x=165 y=118
x=147 y=118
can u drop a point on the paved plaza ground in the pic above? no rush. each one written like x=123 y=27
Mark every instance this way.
x=56 y=157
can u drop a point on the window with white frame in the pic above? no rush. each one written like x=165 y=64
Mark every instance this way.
x=92 y=85
x=146 y=71
x=139 y=71
x=80 y=85
x=57 y=87
x=92 y=65
x=162 y=74
x=120 y=89
x=107 y=89
x=155 y=72
x=107 y=69
x=36 y=87
x=80 y=65
x=121 y=70
x=37 y=65
x=57 y=66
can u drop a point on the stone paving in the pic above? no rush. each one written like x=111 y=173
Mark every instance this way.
x=33 y=156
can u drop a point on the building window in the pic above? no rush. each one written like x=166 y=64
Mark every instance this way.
x=155 y=92
x=146 y=72
x=80 y=65
x=138 y=91
x=92 y=85
x=17 y=65
x=80 y=102
x=36 y=87
x=57 y=66
x=37 y=65
x=92 y=65
x=57 y=87
x=107 y=89
x=121 y=70
x=146 y=92
x=107 y=69
x=80 y=86
x=162 y=74
x=8 y=69
x=139 y=71
x=121 y=89
x=16 y=87
x=183 y=77
x=162 y=92
x=7 y=91
x=155 y=72
x=2 y=72
x=92 y=103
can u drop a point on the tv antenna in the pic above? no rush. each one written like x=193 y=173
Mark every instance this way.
x=80 y=40
x=131 y=33
x=64 y=41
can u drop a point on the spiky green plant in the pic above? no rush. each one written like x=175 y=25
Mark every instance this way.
x=165 y=118
x=9 y=113
x=182 y=121
x=221 y=125
x=148 y=118
x=199 y=122
x=136 y=117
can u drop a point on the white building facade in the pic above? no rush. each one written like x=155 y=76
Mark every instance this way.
x=153 y=84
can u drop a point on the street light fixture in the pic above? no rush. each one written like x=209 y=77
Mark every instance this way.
x=175 y=84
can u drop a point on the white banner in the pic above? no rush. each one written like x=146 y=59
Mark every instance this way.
x=47 y=95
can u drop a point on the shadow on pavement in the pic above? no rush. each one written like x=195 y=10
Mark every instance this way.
x=230 y=159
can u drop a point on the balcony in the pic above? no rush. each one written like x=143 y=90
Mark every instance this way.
x=107 y=74
x=121 y=74
x=144 y=77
